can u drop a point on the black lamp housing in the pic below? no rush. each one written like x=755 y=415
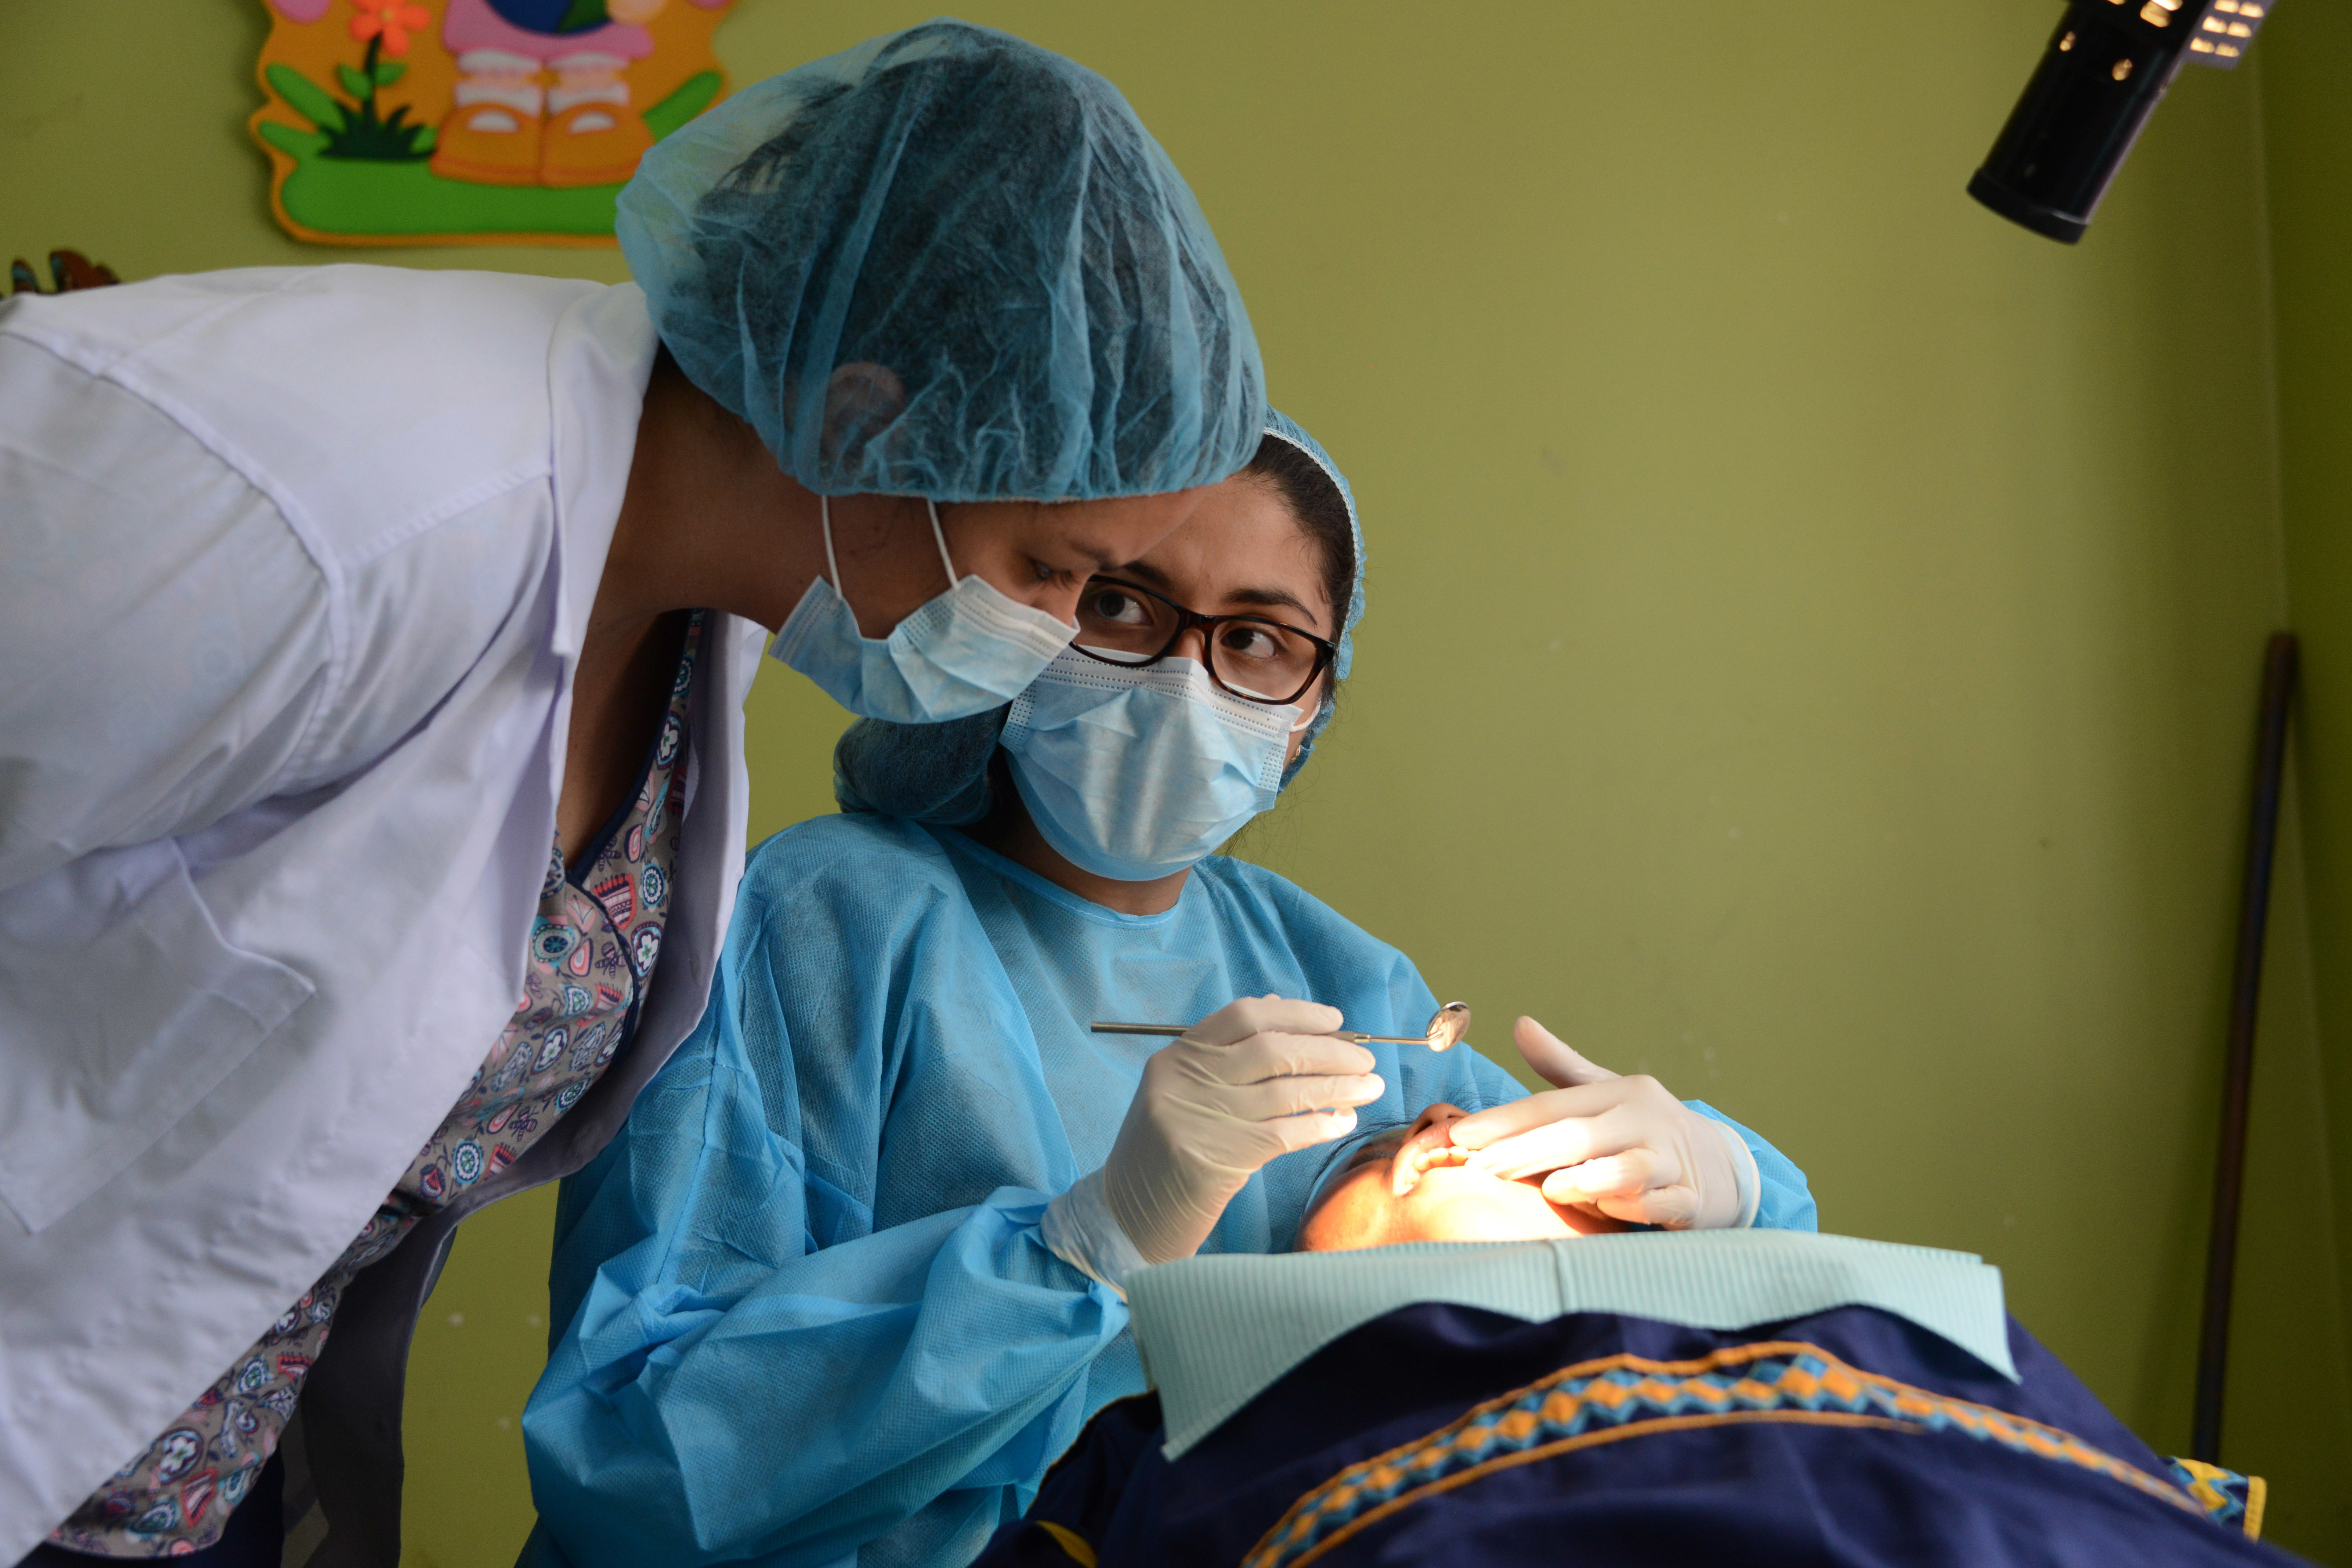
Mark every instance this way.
x=2106 y=68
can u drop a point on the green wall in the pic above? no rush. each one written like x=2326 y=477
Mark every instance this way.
x=1814 y=627
x=2307 y=124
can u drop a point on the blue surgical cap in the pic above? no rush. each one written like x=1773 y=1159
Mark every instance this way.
x=938 y=773
x=948 y=263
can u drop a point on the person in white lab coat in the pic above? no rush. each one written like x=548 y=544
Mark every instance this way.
x=330 y=598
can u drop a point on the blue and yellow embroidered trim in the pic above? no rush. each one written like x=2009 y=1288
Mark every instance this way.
x=1623 y=1396
x=2228 y=1498
x=1075 y=1547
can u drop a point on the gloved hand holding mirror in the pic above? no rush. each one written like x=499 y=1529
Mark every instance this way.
x=1253 y=1081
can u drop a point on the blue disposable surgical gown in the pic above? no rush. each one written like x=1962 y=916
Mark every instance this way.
x=805 y=1314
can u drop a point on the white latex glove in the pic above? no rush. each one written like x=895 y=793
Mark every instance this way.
x=1623 y=1146
x=1257 y=1078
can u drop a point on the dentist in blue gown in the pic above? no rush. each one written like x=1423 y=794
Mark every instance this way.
x=850 y=1278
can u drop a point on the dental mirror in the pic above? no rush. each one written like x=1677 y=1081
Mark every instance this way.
x=1447 y=1026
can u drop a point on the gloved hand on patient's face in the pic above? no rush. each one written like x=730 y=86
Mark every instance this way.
x=1253 y=1081
x=1623 y=1147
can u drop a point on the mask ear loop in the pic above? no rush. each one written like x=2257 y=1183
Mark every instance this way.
x=1323 y=705
x=938 y=537
x=832 y=567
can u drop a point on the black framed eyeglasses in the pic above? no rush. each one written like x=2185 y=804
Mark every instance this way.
x=1255 y=658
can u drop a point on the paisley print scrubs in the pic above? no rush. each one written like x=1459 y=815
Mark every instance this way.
x=593 y=946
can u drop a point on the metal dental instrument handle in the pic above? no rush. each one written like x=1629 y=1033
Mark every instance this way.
x=1447 y=1027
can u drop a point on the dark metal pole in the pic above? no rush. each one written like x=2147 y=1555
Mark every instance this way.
x=2245 y=993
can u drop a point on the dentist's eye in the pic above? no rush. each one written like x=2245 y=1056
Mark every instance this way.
x=1114 y=608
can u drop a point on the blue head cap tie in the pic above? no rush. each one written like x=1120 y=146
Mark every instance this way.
x=1281 y=426
x=948 y=263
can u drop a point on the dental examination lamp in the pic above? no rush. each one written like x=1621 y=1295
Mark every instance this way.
x=2103 y=73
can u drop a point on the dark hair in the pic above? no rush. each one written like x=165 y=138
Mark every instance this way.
x=1322 y=513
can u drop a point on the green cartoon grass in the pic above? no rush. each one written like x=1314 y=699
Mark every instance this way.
x=357 y=175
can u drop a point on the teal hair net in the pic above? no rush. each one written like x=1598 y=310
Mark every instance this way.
x=938 y=773
x=948 y=263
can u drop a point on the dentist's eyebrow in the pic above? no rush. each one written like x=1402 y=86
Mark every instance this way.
x=1270 y=598
x=1152 y=576
x=1143 y=572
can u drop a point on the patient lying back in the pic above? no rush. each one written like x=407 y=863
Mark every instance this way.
x=1414 y=1185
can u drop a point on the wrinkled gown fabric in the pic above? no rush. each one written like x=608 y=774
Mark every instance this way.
x=281 y=710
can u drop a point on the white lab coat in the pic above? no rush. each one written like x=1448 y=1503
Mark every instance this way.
x=294 y=567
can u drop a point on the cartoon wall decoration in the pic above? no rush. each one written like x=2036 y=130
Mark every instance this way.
x=472 y=121
x=70 y=270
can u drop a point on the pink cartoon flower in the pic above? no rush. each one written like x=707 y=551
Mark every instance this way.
x=392 y=20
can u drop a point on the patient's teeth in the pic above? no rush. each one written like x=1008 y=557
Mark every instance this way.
x=1424 y=1155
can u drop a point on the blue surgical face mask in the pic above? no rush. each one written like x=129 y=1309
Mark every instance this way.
x=962 y=653
x=1136 y=772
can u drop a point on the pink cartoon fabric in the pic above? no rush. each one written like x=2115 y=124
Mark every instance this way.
x=477 y=25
